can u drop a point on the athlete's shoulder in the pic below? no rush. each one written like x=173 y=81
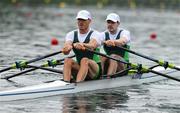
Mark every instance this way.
x=95 y=31
x=124 y=30
x=72 y=32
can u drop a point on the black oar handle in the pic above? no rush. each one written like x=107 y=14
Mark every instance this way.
x=104 y=55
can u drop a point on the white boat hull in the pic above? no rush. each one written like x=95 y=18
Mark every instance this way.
x=60 y=87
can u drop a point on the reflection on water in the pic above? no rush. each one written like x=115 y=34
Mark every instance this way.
x=98 y=101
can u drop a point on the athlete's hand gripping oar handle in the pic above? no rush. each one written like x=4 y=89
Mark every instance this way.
x=160 y=62
x=134 y=66
x=26 y=71
x=13 y=66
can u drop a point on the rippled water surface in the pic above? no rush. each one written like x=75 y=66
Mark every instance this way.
x=26 y=32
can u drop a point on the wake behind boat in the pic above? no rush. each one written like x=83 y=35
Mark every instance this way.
x=59 y=87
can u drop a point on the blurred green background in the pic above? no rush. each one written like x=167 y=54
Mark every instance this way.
x=162 y=4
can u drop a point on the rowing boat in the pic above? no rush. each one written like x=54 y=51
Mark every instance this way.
x=60 y=87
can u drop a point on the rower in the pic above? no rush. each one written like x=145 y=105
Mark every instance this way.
x=112 y=37
x=87 y=65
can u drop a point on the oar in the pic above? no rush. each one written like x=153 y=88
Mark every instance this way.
x=17 y=74
x=134 y=66
x=47 y=69
x=13 y=66
x=160 y=62
x=117 y=74
x=35 y=68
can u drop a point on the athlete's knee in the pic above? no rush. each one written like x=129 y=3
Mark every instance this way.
x=84 y=61
x=68 y=61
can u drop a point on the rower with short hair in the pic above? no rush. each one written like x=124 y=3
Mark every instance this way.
x=114 y=36
x=87 y=64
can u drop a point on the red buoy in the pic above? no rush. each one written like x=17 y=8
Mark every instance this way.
x=153 y=36
x=54 y=41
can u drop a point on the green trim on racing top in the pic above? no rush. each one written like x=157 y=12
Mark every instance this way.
x=126 y=54
x=79 y=54
x=116 y=50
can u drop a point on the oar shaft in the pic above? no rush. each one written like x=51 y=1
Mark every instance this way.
x=47 y=69
x=138 y=54
x=5 y=69
x=164 y=75
x=104 y=55
x=23 y=72
x=177 y=68
x=43 y=57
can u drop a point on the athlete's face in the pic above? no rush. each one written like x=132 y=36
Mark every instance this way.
x=83 y=24
x=112 y=26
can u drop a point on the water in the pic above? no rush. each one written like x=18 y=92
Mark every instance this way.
x=25 y=33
